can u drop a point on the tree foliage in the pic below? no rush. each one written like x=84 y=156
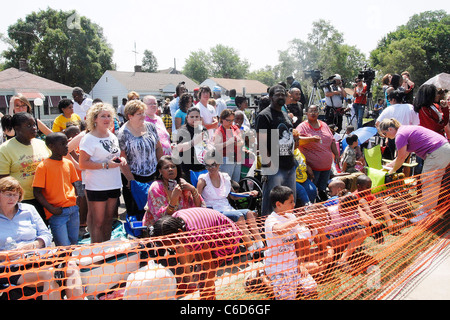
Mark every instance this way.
x=266 y=75
x=421 y=46
x=196 y=66
x=324 y=50
x=220 y=62
x=149 y=62
x=61 y=46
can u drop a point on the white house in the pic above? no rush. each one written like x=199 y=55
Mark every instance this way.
x=248 y=88
x=14 y=81
x=113 y=86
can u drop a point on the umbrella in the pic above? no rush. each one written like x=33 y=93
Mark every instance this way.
x=364 y=134
x=441 y=81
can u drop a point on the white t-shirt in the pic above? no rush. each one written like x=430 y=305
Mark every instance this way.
x=217 y=197
x=403 y=113
x=101 y=150
x=207 y=113
x=82 y=109
x=220 y=106
x=121 y=110
x=281 y=255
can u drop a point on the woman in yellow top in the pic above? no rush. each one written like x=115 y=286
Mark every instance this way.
x=305 y=188
x=65 y=106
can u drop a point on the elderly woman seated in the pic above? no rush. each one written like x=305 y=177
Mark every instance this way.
x=21 y=224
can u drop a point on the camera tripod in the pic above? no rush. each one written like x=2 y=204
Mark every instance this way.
x=367 y=108
x=315 y=97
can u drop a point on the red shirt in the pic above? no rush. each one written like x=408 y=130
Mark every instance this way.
x=362 y=97
x=232 y=133
x=430 y=120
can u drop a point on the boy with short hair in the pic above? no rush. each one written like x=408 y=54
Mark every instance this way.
x=349 y=156
x=53 y=188
x=284 y=264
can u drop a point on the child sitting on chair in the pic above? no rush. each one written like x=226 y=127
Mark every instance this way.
x=349 y=157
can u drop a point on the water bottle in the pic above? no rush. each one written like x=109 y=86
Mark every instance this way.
x=10 y=244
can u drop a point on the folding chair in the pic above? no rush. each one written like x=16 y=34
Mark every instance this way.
x=133 y=223
x=194 y=176
x=375 y=170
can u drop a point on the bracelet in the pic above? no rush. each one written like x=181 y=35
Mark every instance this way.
x=195 y=193
x=107 y=166
x=103 y=165
x=171 y=206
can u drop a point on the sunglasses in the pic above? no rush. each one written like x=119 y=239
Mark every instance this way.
x=212 y=165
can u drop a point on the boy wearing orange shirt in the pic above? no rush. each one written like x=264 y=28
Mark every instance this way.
x=53 y=188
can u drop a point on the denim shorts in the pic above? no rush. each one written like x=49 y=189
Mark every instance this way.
x=234 y=215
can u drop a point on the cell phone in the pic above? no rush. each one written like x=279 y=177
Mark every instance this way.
x=116 y=160
x=172 y=184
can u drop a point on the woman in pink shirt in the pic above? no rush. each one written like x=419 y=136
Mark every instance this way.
x=151 y=116
x=319 y=148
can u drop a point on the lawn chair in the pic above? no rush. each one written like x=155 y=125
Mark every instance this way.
x=377 y=173
x=194 y=180
x=133 y=223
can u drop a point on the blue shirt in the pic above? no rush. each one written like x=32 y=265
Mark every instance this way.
x=182 y=115
x=174 y=107
x=26 y=226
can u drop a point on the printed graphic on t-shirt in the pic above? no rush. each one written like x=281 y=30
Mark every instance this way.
x=110 y=146
x=286 y=140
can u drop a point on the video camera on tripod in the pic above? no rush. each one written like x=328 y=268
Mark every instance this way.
x=367 y=75
x=315 y=75
x=331 y=81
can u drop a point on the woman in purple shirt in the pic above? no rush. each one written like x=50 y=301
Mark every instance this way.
x=428 y=145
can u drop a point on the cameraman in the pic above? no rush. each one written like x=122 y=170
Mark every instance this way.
x=360 y=102
x=334 y=96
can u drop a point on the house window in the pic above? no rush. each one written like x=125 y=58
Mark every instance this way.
x=115 y=101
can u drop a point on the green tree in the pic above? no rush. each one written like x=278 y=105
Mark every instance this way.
x=266 y=75
x=324 y=50
x=196 y=66
x=220 y=62
x=226 y=63
x=60 y=45
x=421 y=46
x=149 y=62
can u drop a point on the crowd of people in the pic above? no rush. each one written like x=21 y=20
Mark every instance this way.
x=71 y=177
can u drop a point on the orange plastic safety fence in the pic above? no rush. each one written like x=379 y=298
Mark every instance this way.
x=363 y=246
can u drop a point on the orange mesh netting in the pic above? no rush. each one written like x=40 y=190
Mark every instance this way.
x=382 y=251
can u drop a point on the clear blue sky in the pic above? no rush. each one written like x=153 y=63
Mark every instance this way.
x=258 y=29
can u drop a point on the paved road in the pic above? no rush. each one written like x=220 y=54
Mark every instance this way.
x=431 y=280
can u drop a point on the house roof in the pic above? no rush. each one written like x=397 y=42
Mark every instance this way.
x=145 y=81
x=251 y=86
x=21 y=81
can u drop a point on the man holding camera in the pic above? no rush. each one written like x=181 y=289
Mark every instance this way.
x=360 y=102
x=334 y=96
